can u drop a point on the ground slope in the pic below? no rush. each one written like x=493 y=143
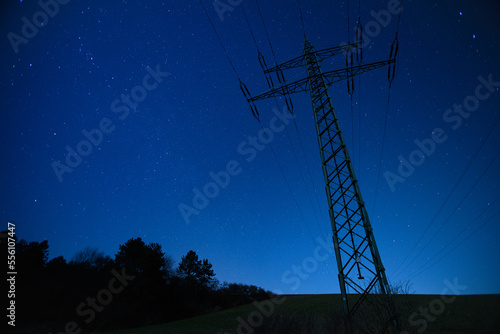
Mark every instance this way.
x=432 y=314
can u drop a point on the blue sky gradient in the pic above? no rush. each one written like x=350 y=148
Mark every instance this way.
x=89 y=61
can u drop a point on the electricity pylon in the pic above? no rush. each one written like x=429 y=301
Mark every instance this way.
x=358 y=260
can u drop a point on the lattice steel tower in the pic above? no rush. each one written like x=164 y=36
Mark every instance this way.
x=358 y=260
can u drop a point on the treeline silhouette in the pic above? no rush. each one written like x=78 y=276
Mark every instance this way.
x=93 y=292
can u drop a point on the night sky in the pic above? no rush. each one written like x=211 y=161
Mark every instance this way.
x=77 y=72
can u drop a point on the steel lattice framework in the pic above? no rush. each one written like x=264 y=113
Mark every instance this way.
x=358 y=260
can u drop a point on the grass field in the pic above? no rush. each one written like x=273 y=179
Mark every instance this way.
x=465 y=314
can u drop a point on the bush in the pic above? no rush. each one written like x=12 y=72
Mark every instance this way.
x=381 y=313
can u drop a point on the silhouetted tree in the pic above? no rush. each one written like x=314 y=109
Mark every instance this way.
x=31 y=258
x=57 y=263
x=48 y=292
x=146 y=296
x=196 y=272
x=234 y=294
x=91 y=258
x=32 y=255
x=149 y=260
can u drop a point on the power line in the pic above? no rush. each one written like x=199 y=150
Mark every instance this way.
x=298 y=132
x=390 y=77
x=455 y=186
x=220 y=41
x=455 y=238
x=287 y=133
x=249 y=28
x=308 y=168
x=265 y=29
x=359 y=58
x=302 y=177
x=301 y=19
x=359 y=127
x=245 y=92
x=295 y=123
x=453 y=212
x=293 y=196
x=381 y=152
x=348 y=24
x=464 y=240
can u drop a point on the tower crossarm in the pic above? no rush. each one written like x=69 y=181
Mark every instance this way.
x=330 y=78
x=321 y=55
x=334 y=76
